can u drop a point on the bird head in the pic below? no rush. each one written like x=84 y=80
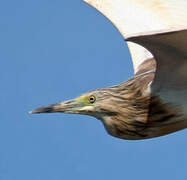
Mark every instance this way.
x=94 y=103
x=117 y=107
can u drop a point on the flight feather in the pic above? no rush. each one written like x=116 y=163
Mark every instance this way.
x=140 y=16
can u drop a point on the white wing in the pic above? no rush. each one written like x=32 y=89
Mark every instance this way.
x=137 y=16
x=170 y=52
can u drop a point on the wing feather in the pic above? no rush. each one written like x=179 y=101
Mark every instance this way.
x=170 y=51
x=137 y=16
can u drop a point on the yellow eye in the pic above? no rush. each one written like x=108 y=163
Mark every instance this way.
x=92 y=99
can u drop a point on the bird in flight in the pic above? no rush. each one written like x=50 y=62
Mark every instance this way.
x=154 y=102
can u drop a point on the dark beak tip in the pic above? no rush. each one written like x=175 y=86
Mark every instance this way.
x=30 y=112
x=44 y=109
x=33 y=112
x=58 y=107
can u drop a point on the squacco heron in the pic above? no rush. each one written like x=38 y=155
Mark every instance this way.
x=154 y=102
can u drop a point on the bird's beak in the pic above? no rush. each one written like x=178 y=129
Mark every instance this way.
x=71 y=106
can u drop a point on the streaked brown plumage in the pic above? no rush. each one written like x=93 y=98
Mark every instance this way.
x=136 y=114
x=129 y=110
x=154 y=102
x=140 y=115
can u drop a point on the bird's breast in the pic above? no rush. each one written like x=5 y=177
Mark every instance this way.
x=153 y=120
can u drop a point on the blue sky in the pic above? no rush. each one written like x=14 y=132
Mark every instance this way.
x=51 y=51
